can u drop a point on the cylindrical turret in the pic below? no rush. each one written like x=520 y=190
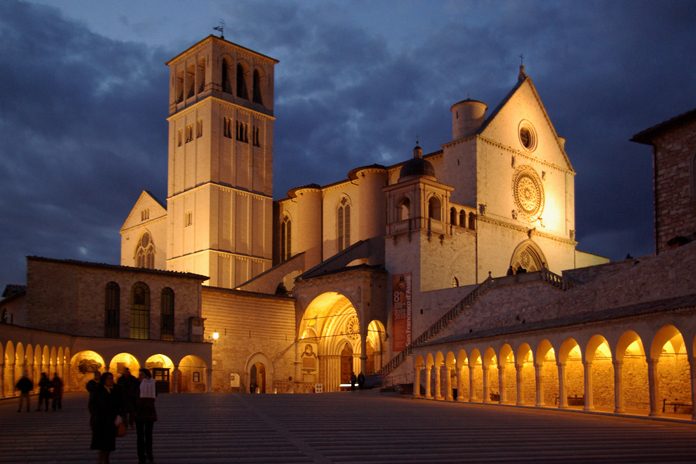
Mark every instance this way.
x=467 y=117
x=308 y=239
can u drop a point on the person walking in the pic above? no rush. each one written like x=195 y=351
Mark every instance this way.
x=145 y=415
x=56 y=392
x=44 y=391
x=25 y=386
x=106 y=410
x=353 y=380
x=129 y=389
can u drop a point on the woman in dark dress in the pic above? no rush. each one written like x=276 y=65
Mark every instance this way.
x=105 y=405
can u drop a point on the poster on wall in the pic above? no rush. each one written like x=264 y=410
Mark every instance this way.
x=401 y=311
x=310 y=362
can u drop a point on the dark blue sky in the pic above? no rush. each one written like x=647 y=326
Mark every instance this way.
x=83 y=99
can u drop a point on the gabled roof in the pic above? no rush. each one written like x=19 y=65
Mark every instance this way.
x=646 y=136
x=144 y=196
x=522 y=80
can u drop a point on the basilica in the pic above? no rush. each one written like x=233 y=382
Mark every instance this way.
x=454 y=274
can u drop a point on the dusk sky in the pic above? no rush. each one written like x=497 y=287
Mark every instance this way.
x=83 y=100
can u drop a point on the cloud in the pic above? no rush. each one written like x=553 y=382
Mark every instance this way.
x=83 y=116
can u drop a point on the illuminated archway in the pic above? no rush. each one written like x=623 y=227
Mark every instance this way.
x=527 y=257
x=601 y=374
x=123 y=361
x=450 y=373
x=634 y=394
x=83 y=365
x=20 y=363
x=329 y=325
x=462 y=376
x=508 y=374
x=526 y=390
x=570 y=357
x=546 y=372
x=491 y=386
x=476 y=375
x=672 y=379
x=193 y=374
x=374 y=346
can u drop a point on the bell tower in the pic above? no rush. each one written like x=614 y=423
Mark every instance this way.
x=220 y=177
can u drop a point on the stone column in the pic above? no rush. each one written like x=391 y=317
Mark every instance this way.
x=11 y=378
x=438 y=382
x=363 y=352
x=416 y=383
x=176 y=373
x=66 y=373
x=655 y=407
x=562 y=393
x=589 y=403
x=520 y=387
x=2 y=380
x=539 y=381
x=618 y=386
x=460 y=385
x=692 y=371
x=428 y=373
x=486 y=392
x=472 y=396
x=298 y=377
x=501 y=384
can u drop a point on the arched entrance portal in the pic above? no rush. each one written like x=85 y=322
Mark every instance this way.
x=257 y=377
x=527 y=257
x=329 y=345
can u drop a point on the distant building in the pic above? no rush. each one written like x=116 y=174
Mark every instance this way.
x=456 y=271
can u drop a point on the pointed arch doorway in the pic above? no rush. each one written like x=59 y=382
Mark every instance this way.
x=330 y=329
x=528 y=257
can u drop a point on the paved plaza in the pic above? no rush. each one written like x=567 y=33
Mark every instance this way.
x=360 y=427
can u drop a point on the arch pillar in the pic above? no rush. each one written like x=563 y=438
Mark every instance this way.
x=11 y=372
x=618 y=386
x=692 y=371
x=438 y=382
x=66 y=373
x=589 y=401
x=520 y=388
x=501 y=384
x=539 y=382
x=416 y=383
x=486 y=392
x=428 y=374
x=652 y=386
x=208 y=379
x=562 y=396
x=471 y=383
x=363 y=351
x=176 y=375
x=2 y=380
x=449 y=395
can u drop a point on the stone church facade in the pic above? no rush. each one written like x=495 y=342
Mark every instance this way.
x=456 y=272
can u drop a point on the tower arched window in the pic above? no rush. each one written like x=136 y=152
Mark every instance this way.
x=257 y=87
x=226 y=83
x=112 y=310
x=285 y=239
x=343 y=214
x=472 y=221
x=404 y=210
x=140 y=312
x=453 y=216
x=434 y=208
x=462 y=218
x=167 y=314
x=241 y=83
x=145 y=252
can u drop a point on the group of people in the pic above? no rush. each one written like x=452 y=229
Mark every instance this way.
x=49 y=390
x=128 y=403
x=359 y=380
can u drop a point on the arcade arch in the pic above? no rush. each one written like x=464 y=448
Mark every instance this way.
x=330 y=331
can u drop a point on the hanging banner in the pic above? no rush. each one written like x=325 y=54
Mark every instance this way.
x=401 y=311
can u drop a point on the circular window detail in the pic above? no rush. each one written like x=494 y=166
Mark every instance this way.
x=353 y=327
x=527 y=135
x=528 y=192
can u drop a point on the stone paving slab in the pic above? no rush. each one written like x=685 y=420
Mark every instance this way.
x=364 y=427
